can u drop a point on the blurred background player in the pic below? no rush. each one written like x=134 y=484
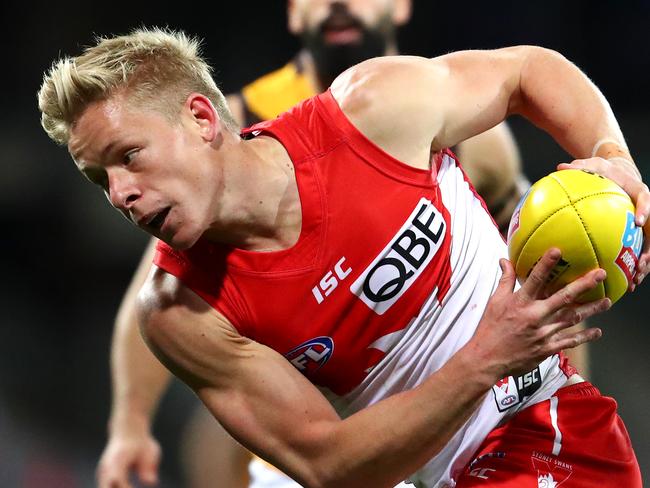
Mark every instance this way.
x=335 y=35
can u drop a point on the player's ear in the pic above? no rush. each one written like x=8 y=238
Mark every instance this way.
x=204 y=116
x=295 y=22
x=402 y=11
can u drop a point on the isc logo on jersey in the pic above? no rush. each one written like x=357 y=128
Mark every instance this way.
x=400 y=263
x=513 y=390
x=310 y=356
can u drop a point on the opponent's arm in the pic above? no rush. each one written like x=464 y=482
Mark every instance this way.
x=138 y=380
x=442 y=101
x=273 y=410
x=492 y=162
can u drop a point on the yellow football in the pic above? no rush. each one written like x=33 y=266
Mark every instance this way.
x=589 y=218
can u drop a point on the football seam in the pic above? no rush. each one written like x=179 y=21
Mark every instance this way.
x=570 y=204
x=582 y=222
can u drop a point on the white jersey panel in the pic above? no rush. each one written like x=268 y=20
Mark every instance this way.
x=439 y=331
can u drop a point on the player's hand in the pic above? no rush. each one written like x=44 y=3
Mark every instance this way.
x=128 y=453
x=627 y=176
x=520 y=329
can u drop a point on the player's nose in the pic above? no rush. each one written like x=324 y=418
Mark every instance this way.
x=123 y=192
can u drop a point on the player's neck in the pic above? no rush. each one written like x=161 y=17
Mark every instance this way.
x=259 y=209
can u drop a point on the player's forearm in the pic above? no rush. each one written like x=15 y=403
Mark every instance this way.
x=415 y=425
x=286 y=421
x=556 y=96
x=139 y=379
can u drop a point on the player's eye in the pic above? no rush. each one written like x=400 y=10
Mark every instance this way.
x=129 y=156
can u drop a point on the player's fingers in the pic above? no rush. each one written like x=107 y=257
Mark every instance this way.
x=113 y=470
x=642 y=203
x=594 y=164
x=626 y=175
x=567 y=295
x=569 y=316
x=148 y=467
x=508 y=277
x=570 y=339
x=113 y=478
x=535 y=284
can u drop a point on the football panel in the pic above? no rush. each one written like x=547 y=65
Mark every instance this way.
x=565 y=231
x=610 y=237
x=579 y=184
x=541 y=201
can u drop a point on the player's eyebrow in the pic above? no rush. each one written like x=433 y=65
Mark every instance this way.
x=103 y=153
x=106 y=151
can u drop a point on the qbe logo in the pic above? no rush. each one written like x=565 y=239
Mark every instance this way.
x=400 y=263
x=310 y=356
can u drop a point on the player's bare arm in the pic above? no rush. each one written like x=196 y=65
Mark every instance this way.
x=138 y=380
x=442 y=101
x=493 y=164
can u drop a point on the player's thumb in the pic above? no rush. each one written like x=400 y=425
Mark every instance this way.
x=508 y=277
x=148 y=467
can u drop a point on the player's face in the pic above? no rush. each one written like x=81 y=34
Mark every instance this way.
x=340 y=22
x=151 y=170
x=340 y=34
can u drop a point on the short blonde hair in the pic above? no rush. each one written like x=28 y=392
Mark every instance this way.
x=154 y=68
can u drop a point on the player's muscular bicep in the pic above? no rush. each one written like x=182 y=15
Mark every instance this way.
x=406 y=104
x=481 y=90
x=252 y=390
x=188 y=336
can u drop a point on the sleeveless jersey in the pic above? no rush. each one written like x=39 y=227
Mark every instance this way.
x=388 y=279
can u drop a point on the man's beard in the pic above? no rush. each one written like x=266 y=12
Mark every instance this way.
x=332 y=59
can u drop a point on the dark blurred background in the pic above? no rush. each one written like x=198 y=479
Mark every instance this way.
x=66 y=256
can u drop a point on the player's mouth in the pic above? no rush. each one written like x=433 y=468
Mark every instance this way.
x=158 y=220
x=341 y=29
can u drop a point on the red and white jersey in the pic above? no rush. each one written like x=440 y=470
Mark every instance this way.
x=388 y=279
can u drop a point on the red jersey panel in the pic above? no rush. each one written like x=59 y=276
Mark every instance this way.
x=348 y=281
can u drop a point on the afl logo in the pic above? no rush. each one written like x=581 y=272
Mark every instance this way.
x=400 y=263
x=310 y=356
x=509 y=400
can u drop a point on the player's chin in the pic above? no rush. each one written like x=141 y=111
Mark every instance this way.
x=182 y=238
